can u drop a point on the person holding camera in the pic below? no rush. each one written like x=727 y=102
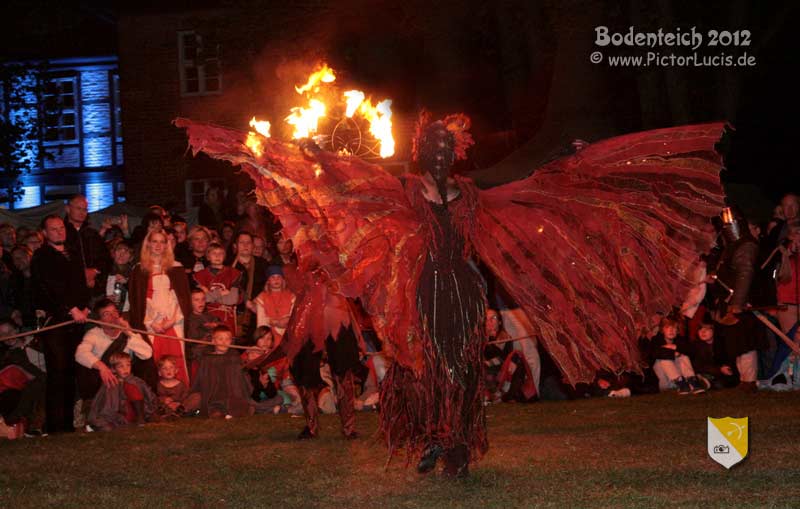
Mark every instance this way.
x=120 y=273
x=115 y=228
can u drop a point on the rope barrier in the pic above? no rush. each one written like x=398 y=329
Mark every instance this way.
x=123 y=328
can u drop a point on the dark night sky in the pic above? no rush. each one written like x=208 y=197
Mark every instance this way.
x=519 y=68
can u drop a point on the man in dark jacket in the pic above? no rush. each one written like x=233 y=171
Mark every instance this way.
x=87 y=243
x=60 y=291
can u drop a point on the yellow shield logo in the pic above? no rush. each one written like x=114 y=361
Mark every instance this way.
x=727 y=440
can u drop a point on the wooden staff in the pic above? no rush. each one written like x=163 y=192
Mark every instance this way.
x=771 y=326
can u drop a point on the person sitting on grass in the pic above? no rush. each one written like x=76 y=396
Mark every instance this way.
x=266 y=373
x=129 y=400
x=22 y=387
x=223 y=386
x=494 y=355
x=708 y=359
x=95 y=349
x=173 y=395
x=671 y=362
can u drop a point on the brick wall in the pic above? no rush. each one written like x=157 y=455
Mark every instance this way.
x=255 y=44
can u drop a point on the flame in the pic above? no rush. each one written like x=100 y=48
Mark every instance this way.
x=261 y=127
x=324 y=75
x=253 y=142
x=354 y=99
x=305 y=120
x=380 y=124
x=379 y=117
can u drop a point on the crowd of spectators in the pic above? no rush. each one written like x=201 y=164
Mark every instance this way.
x=232 y=281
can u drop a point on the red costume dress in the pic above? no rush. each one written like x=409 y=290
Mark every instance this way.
x=589 y=246
x=154 y=297
x=274 y=306
x=324 y=325
x=225 y=279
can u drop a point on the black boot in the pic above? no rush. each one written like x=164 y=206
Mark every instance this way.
x=429 y=457
x=456 y=461
x=306 y=434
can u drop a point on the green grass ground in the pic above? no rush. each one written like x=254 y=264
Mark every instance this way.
x=641 y=452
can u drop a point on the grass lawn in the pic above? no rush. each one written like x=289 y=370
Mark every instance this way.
x=645 y=451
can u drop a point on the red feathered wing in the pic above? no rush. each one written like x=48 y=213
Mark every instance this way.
x=345 y=216
x=592 y=244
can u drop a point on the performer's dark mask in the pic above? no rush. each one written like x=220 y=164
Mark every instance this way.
x=437 y=154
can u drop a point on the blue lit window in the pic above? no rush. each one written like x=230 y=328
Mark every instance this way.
x=31 y=197
x=60 y=121
x=117 y=108
x=99 y=195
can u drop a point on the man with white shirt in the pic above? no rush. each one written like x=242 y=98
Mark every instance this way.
x=99 y=343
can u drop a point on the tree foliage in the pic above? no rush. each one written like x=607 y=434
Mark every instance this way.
x=20 y=124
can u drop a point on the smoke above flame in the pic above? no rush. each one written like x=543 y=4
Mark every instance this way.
x=305 y=120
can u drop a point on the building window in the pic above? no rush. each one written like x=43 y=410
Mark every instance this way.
x=31 y=197
x=199 y=64
x=99 y=195
x=60 y=118
x=196 y=190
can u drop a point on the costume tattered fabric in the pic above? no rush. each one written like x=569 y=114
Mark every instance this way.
x=589 y=246
x=223 y=386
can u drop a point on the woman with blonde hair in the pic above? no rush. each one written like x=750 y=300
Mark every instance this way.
x=160 y=299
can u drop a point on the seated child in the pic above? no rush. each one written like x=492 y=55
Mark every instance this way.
x=266 y=373
x=223 y=386
x=129 y=401
x=173 y=395
x=494 y=355
x=671 y=362
x=199 y=326
x=708 y=358
x=515 y=380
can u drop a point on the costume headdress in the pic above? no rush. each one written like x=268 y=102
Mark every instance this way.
x=457 y=124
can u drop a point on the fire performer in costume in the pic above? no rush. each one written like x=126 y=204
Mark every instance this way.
x=589 y=246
